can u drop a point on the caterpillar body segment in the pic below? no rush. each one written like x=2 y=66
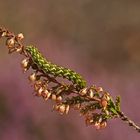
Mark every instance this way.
x=49 y=68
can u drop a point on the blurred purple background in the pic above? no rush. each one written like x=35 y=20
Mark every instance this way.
x=99 y=39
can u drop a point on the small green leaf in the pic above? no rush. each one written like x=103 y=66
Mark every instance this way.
x=118 y=100
x=112 y=107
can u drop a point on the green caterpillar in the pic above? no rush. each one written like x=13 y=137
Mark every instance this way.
x=49 y=68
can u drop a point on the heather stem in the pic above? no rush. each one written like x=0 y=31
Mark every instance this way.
x=124 y=118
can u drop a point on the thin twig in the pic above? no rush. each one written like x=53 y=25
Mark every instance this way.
x=131 y=123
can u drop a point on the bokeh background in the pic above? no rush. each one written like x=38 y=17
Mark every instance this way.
x=99 y=39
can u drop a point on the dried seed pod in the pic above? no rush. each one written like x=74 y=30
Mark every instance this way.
x=56 y=107
x=53 y=97
x=19 y=49
x=10 y=42
x=25 y=64
x=59 y=99
x=32 y=77
x=107 y=96
x=83 y=91
x=77 y=106
x=89 y=120
x=62 y=109
x=20 y=36
x=37 y=85
x=47 y=94
x=91 y=93
x=39 y=92
x=67 y=109
x=100 y=119
x=104 y=103
x=103 y=124
x=97 y=125
x=99 y=89
x=4 y=33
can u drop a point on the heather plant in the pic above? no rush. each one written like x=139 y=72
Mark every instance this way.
x=66 y=88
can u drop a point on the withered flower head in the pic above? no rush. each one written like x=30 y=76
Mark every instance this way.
x=20 y=36
x=83 y=91
x=32 y=77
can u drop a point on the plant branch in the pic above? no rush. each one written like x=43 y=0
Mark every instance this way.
x=129 y=121
x=94 y=104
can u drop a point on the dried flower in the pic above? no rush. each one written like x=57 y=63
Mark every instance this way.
x=67 y=109
x=46 y=94
x=107 y=96
x=62 y=108
x=3 y=34
x=89 y=120
x=91 y=93
x=39 y=92
x=97 y=125
x=25 y=64
x=83 y=91
x=55 y=107
x=77 y=106
x=53 y=97
x=10 y=42
x=104 y=103
x=99 y=89
x=103 y=124
x=20 y=36
x=37 y=85
x=32 y=77
x=59 y=99
x=19 y=49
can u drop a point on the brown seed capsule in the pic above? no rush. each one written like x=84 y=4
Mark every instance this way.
x=19 y=49
x=100 y=120
x=91 y=93
x=62 y=109
x=20 y=36
x=83 y=91
x=10 y=42
x=32 y=77
x=97 y=125
x=104 y=103
x=4 y=34
x=77 y=106
x=25 y=62
x=39 y=92
x=59 y=99
x=53 y=97
x=47 y=94
x=99 y=89
x=88 y=120
x=67 y=109
x=107 y=96
x=37 y=85
x=103 y=124
x=56 y=107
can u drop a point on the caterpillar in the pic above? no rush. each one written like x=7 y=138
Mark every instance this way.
x=53 y=69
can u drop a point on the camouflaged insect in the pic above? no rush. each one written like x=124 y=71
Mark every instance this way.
x=49 y=68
